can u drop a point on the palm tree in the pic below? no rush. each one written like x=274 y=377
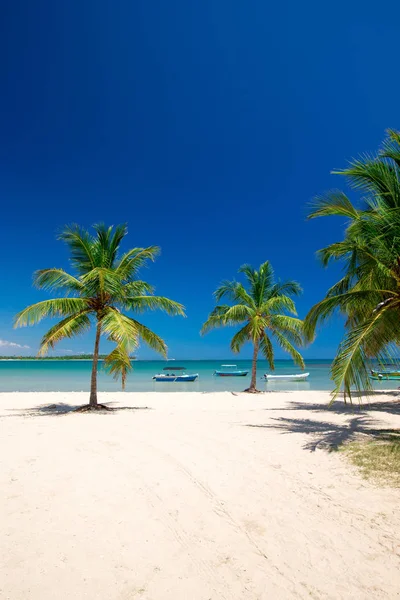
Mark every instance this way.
x=104 y=285
x=368 y=295
x=258 y=307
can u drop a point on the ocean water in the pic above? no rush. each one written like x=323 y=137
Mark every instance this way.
x=71 y=375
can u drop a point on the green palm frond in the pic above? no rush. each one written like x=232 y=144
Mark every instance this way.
x=151 y=339
x=108 y=241
x=120 y=328
x=238 y=314
x=118 y=364
x=134 y=260
x=215 y=318
x=276 y=303
x=235 y=292
x=267 y=350
x=101 y=282
x=67 y=328
x=333 y=203
x=80 y=244
x=349 y=369
x=360 y=301
x=56 y=279
x=286 y=345
x=290 y=326
x=137 y=288
x=58 y=307
x=142 y=303
x=240 y=338
x=291 y=288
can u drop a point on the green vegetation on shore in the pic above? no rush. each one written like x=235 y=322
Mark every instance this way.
x=368 y=294
x=260 y=308
x=104 y=285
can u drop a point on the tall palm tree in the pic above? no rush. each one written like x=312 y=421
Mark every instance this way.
x=368 y=295
x=104 y=285
x=258 y=307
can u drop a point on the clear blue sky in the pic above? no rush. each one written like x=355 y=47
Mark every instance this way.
x=207 y=126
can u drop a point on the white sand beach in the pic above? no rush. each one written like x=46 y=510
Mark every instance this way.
x=200 y=497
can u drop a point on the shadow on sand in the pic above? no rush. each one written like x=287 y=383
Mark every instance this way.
x=63 y=408
x=329 y=436
x=390 y=403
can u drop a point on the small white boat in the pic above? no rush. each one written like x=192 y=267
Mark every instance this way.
x=297 y=377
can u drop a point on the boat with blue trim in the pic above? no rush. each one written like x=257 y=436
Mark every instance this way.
x=230 y=371
x=173 y=377
x=385 y=374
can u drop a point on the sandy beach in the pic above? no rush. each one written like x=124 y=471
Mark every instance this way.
x=193 y=496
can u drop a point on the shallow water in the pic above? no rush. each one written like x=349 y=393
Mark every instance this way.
x=71 y=375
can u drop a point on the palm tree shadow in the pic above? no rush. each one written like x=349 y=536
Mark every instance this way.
x=329 y=436
x=63 y=408
x=339 y=407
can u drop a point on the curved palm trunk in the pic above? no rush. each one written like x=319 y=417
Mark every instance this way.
x=253 y=383
x=93 y=381
x=123 y=379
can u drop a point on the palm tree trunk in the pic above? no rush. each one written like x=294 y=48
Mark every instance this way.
x=93 y=381
x=123 y=378
x=253 y=383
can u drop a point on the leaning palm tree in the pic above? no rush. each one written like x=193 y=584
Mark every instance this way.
x=368 y=294
x=104 y=285
x=260 y=307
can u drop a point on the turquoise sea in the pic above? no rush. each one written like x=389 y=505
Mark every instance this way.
x=71 y=375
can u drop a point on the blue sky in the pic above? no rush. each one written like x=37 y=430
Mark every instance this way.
x=207 y=126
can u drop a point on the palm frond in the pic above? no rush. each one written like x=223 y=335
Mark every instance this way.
x=267 y=350
x=107 y=243
x=58 y=307
x=350 y=365
x=151 y=339
x=240 y=338
x=235 y=292
x=361 y=301
x=137 y=288
x=120 y=328
x=291 y=327
x=118 y=364
x=291 y=288
x=278 y=303
x=285 y=344
x=333 y=203
x=143 y=303
x=101 y=282
x=73 y=325
x=135 y=259
x=56 y=279
x=80 y=244
x=215 y=318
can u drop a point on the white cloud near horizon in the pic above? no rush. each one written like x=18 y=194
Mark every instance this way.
x=7 y=344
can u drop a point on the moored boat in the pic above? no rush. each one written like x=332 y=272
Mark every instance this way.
x=230 y=371
x=294 y=377
x=173 y=377
x=385 y=374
